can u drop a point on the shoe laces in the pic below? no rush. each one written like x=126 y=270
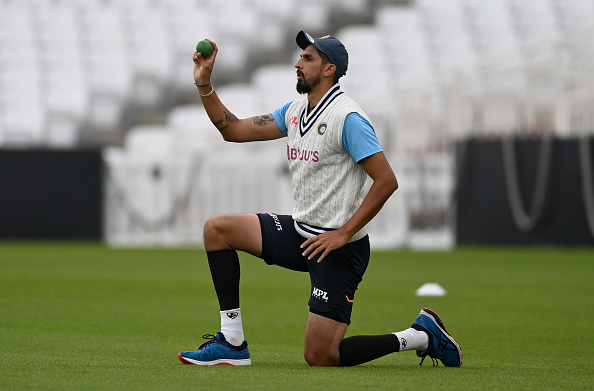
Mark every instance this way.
x=437 y=339
x=426 y=354
x=211 y=340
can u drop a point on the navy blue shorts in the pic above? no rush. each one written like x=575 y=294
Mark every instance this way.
x=333 y=281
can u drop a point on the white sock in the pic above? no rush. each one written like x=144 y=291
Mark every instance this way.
x=231 y=326
x=411 y=339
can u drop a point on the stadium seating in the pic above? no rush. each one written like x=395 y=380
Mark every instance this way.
x=490 y=26
x=148 y=45
x=274 y=85
x=191 y=129
x=446 y=33
x=89 y=73
x=130 y=54
x=116 y=74
x=405 y=47
x=573 y=14
x=533 y=20
x=367 y=71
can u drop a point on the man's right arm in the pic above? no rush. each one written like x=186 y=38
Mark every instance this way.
x=259 y=128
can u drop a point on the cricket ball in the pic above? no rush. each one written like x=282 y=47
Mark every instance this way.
x=205 y=48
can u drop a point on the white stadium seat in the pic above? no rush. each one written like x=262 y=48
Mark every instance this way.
x=448 y=37
x=24 y=126
x=241 y=99
x=312 y=16
x=274 y=86
x=490 y=25
x=572 y=14
x=405 y=41
x=367 y=72
x=191 y=128
x=534 y=19
x=16 y=24
x=149 y=140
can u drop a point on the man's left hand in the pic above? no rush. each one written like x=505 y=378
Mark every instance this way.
x=323 y=244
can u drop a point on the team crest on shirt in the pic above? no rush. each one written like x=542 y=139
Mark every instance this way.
x=322 y=128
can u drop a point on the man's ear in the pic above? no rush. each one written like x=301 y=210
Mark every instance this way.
x=329 y=70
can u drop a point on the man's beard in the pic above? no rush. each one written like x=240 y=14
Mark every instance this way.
x=303 y=87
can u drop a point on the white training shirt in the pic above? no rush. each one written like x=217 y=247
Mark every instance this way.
x=328 y=183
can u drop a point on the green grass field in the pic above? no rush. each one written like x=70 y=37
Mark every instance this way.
x=83 y=316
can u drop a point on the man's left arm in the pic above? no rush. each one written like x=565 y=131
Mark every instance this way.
x=384 y=184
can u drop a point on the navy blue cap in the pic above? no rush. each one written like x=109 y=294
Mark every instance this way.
x=328 y=45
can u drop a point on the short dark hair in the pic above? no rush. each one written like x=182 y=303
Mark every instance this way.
x=326 y=60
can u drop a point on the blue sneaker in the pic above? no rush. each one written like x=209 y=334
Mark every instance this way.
x=217 y=351
x=442 y=345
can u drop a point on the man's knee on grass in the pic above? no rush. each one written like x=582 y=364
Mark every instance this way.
x=321 y=357
x=322 y=340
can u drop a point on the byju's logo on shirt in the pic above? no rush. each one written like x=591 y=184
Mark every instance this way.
x=301 y=154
